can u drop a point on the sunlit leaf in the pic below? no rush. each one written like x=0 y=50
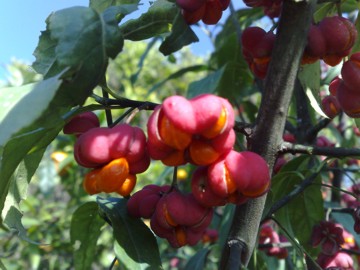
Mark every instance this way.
x=309 y=77
x=154 y=22
x=25 y=104
x=81 y=39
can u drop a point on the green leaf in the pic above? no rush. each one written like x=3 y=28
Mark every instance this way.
x=82 y=39
x=307 y=204
x=2 y=266
x=180 y=36
x=309 y=77
x=101 y=5
x=11 y=213
x=24 y=145
x=198 y=261
x=155 y=21
x=84 y=233
x=209 y=84
x=323 y=11
x=136 y=246
x=234 y=81
x=24 y=105
x=245 y=17
x=356 y=47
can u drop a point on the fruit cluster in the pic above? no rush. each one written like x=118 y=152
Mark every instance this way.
x=347 y=89
x=257 y=45
x=234 y=178
x=330 y=40
x=209 y=11
x=115 y=154
x=272 y=8
x=176 y=216
x=198 y=131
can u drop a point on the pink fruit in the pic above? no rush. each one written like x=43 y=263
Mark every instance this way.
x=81 y=123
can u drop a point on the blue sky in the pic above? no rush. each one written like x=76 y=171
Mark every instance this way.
x=22 y=20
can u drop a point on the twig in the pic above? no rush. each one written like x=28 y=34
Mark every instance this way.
x=339 y=152
x=287 y=198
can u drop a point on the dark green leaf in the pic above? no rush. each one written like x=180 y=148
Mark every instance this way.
x=323 y=11
x=152 y=23
x=356 y=47
x=180 y=36
x=209 y=84
x=198 y=261
x=136 y=246
x=82 y=39
x=307 y=204
x=84 y=233
x=101 y=5
x=234 y=81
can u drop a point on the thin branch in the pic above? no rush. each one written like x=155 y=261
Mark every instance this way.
x=338 y=152
x=287 y=198
x=125 y=103
x=313 y=131
x=244 y=128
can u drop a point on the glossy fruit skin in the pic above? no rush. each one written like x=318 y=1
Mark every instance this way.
x=173 y=215
x=198 y=130
x=81 y=123
x=245 y=172
x=209 y=11
x=330 y=106
x=142 y=204
x=257 y=45
x=180 y=219
x=113 y=177
x=330 y=40
x=350 y=73
x=99 y=146
x=234 y=178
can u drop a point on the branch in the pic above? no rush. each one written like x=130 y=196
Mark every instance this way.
x=124 y=103
x=338 y=152
x=287 y=52
x=287 y=198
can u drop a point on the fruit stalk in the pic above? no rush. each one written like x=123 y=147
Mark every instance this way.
x=266 y=139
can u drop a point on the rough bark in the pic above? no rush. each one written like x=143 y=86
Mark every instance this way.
x=267 y=137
